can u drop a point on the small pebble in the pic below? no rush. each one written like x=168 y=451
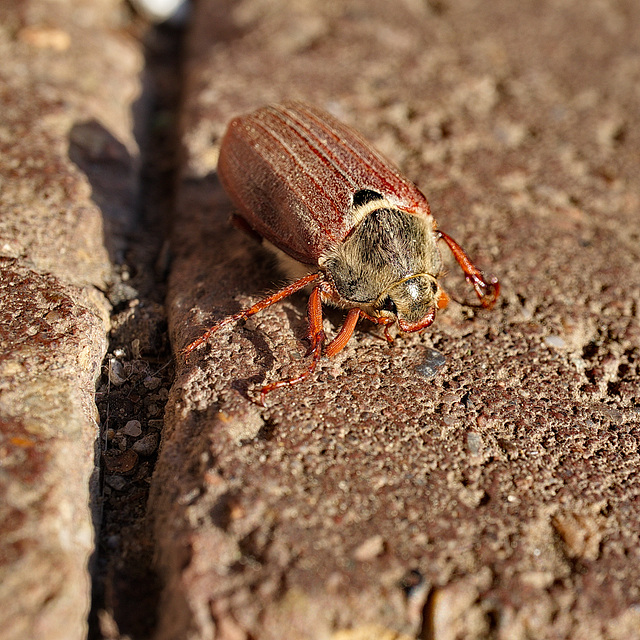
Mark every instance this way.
x=53 y=316
x=162 y=10
x=163 y=394
x=369 y=549
x=116 y=482
x=151 y=382
x=147 y=445
x=116 y=372
x=474 y=443
x=132 y=428
x=554 y=341
x=119 y=462
x=432 y=363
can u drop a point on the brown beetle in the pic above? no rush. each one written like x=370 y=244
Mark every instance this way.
x=334 y=209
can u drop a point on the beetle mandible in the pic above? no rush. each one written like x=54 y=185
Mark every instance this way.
x=340 y=213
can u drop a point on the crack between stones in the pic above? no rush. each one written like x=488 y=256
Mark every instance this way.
x=138 y=368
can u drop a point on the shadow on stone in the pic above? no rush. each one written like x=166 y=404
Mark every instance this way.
x=113 y=175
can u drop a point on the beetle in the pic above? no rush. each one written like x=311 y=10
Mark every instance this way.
x=343 y=219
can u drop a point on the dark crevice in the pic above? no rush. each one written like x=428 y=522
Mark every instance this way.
x=426 y=631
x=138 y=369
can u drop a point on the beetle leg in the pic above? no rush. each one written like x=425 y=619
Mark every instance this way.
x=389 y=338
x=486 y=290
x=385 y=322
x=427 y=321
x=345 y=333
x=316 y=336
x=257 y=307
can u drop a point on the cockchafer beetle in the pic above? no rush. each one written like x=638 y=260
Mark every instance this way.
x=338 y=212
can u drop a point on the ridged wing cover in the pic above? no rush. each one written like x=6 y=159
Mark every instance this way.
x=292 y=171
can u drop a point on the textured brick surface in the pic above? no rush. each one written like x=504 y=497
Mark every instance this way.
x=496 y=499
x=476 y=481
x=66 y=150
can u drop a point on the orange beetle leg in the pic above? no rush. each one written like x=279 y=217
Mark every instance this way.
x=345 y=333
x=385 y=322
x=486 y=290
x=316 y=336
x=257 y=307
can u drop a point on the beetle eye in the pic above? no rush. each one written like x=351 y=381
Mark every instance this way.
x=389 y=305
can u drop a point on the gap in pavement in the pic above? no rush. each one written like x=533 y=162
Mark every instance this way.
x=138 y=368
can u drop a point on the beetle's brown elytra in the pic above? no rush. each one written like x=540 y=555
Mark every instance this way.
x=363 y=234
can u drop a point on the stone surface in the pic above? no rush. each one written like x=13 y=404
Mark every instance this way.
x=47 y=446
x=67 y=189
x=501 y=493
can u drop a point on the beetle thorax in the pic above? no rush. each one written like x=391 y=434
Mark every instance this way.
x=388 y=265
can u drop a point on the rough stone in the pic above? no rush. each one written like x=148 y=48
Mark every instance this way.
x=507 y=480
x=66 y=135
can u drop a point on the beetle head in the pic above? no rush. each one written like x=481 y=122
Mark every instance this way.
x=411 y=301
x=389 y=267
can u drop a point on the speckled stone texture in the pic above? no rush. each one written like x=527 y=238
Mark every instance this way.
x=496 y=499
x=66 y=106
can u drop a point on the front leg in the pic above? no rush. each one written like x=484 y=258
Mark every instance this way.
x=486 y=290
x=384 y=321
x=345 y=333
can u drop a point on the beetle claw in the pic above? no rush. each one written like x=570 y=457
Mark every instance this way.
x=487 y=291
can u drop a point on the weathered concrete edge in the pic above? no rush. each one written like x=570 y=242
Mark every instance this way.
x=55 y=324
